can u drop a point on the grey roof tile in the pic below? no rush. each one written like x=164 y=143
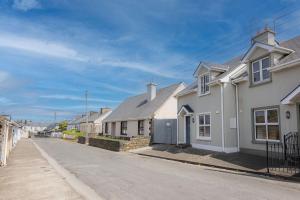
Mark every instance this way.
x=137 y=107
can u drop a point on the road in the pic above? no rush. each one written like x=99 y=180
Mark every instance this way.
x=129 y=176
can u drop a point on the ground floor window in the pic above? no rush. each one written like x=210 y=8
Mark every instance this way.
x=123 y=128
x=106 y=127
x=141 y=127
x=266 y=124
x=204 y=126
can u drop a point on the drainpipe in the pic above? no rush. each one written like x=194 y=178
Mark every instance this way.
x=177 y=131
x=222 y=115
x=237 y=114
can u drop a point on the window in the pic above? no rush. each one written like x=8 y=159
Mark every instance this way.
x=141 y=127
x=266 y=124
x=260 y=70
x=106 y=127
x=123 y=128
x=203 y=81
x=204 y=126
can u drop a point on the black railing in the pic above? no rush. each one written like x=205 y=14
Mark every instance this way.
x=284 y=156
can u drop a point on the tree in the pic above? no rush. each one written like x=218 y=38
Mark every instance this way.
x=63 y=125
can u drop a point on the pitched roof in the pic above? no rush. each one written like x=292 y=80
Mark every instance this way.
x=138 y=107
x=293 y=44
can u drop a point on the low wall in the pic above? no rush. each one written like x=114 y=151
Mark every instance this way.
x=120 y=145
x=81 y=140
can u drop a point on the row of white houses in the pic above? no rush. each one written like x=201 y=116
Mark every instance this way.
x=10 y=133
x=230 y=107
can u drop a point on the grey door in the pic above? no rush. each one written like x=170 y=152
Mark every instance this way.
x=165 y=131
x=188 y=129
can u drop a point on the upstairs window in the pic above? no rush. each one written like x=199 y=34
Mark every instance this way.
x=203 y=82
x=141 y=127
x=124 y=128
x=260 y=70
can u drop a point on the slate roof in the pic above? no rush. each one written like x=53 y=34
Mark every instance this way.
x=293 y=44
x=138 y=107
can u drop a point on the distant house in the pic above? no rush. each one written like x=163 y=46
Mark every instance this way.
x=94 y=119
x=10 y=134
x=242 y=103
x=75 y=123
x=151 y=114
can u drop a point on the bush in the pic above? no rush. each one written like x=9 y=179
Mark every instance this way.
x=74 y=132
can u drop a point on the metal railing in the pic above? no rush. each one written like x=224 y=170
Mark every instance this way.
x=284 y=156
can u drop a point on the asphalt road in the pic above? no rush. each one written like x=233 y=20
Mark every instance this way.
x=128 y=176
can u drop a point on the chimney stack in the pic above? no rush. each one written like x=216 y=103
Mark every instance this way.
x=151 y=91
x=104 y=110
x=267 y=36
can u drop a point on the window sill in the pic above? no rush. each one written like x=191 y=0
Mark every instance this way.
x=260 y=83
x=201 y=95
x=204 y=138
x=264 y=141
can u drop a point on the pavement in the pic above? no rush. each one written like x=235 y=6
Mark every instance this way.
x=121 y=175
x=233 y=161
x=29 y=176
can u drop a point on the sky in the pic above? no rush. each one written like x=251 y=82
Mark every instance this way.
x=52 y=51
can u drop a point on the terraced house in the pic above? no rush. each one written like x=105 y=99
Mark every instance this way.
x=242 y=103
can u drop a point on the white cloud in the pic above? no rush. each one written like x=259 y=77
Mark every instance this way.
x=3 y=76
x=26 y=5
x=39 y=46
x=77 y=98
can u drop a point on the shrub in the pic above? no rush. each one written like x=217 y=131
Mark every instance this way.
x=74 y=132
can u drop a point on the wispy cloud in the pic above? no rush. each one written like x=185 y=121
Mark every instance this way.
x=77 y=98
x=26 y=5
x=116 y=89
x=39 y=46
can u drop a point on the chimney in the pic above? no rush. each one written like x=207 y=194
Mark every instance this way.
x=104 y=110
x=267 y=36
x=151 y=91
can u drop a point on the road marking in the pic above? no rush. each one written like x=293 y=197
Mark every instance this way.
x=80 y=187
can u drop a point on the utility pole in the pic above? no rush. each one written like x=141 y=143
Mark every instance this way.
x=86 y=118
x=55 y=117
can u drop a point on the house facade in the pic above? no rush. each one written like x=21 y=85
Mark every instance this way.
x=152 y=113
x=94 y=125
x=239 y=105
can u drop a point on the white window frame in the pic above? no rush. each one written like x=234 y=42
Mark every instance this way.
x=200 y=84
x=266 y=123
x=260 y=71
x=198 y=126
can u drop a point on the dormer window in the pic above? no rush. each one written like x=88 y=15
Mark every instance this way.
x=203 y=84
x=260 y=70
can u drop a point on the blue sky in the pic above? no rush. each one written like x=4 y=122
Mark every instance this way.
x=51 y=51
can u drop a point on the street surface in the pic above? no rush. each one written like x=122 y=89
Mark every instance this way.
x=127 y=176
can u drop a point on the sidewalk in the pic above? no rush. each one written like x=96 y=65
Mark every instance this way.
x=235 y=161
x=29 y=176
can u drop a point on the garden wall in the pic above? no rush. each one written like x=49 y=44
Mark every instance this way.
x=119 y=144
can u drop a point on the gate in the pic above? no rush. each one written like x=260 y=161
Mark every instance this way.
x=284 y=156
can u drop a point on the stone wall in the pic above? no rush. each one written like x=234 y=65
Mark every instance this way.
x=81 y=140
x=119 y=144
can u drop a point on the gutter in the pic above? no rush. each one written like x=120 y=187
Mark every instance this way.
x=285 y=65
